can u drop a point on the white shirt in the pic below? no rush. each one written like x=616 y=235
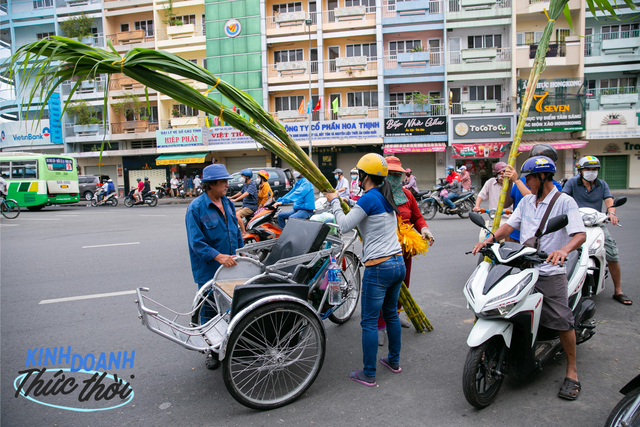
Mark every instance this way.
x=491 y=192
x=196 y=182
x=174 y=183
x=527 y=218
x=3 y=186
x=343 y=183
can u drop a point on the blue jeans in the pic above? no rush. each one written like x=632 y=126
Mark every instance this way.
x=449 y=200
x=296 y=213
x=380 y=290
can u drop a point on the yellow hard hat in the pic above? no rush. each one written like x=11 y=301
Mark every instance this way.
x=373 y=164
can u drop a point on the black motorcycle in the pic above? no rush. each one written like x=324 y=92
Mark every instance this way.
x=163 y=190
x=149 y=199
x=627 y=411
x=431 y=202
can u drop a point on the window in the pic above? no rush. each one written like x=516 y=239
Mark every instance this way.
x=480 y=42
x=153 y=114
x=365 y=49
x=186 y=19
x=184 y=110
x=41 y=36
x=27 y=169
x=362 y=99
x=435 y=96
x=193 y=61
x=370 y=4
x=147 y=26
x=204 y=63
x=287 y=7
x=204 y=27
x=5 y=168
x=39 y=4
x=399 y=98
x=288 y=55
x=287 y=103
x=485 y=93
x=528 y=38
x=403 y=46
x=619 y=31
x=622 y=85
x=124 y=27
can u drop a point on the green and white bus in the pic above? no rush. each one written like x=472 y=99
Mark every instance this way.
x=38 y=180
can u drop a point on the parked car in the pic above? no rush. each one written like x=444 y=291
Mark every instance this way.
x=87 y=185
x=279 y=179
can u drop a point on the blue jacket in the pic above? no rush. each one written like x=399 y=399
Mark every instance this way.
x=210 y=234
x=301 y=195
x=111 y=187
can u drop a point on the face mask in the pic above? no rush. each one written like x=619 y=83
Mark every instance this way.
x=258 y=181
x=336 y=176
x=354 y=176
x=590 y=175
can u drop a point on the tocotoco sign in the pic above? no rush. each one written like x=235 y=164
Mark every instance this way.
x=481 y=128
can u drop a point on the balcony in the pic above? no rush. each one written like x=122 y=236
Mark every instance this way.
x=295 y=116
x=79 y=5
x=483 y=12
x=608 y=48
x=481 y=107
x=558 y=55
x=349 y=18
x=183 y=122
x=181 y=35
x=134 y=128
x=96 y=40
x=620 y=98
x=414 y=63
x=478 y=60
x=81 y=133
x=292 y=72
x=31 y=9
x=352 y=67
x=537 y=6
x=287 y=24
x=393 y=109
x=411 y=12
x=127 y=39
x=86 y=90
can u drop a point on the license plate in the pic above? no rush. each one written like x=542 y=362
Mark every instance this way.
x=64 y=186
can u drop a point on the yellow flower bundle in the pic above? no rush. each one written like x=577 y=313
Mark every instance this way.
x=411 y=241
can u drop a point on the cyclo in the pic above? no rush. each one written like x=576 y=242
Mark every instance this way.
x=266 y=316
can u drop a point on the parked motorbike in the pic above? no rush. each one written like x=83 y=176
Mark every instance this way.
x=507 y=338
x=627 y=411
x=181 y=192
x=150 y=199
x=596 y=270
x=163 y=190
x=111 y=199
x=431 y=203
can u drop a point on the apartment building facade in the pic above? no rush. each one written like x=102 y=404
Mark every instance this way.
x=433 y=82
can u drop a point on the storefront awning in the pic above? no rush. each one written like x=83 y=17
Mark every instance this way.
x=176 y=159
x=429 y=147
x=558 y=144
x=479 y=150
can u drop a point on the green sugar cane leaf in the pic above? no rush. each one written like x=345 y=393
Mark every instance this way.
x=567 y=16
x=631 y=6
x=605 y=6
x=592 y=8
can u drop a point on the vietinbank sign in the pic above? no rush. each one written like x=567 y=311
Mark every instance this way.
x=26 y=133
x=91 y=382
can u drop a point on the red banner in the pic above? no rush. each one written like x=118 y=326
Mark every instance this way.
x=479 y=150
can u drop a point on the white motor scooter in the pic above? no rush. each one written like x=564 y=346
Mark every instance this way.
x=507 y=338
x=596 y=270
x=111 y=199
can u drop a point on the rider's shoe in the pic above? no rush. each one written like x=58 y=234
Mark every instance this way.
x=212 y=361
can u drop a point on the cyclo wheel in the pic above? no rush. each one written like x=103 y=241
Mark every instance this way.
x=479 y=380
x=621 y=410
x=351 y=275
x=273 y=356
x=10 y=209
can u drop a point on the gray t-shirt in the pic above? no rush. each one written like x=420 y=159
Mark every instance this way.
x=587 y=199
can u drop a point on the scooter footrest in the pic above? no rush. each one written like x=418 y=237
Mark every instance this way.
x=544 y=349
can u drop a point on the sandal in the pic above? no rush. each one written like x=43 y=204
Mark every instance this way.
x=622 y=299
x=570 y=389
x=362 y=378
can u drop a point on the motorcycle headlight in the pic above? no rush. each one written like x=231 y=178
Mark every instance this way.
x=468 y=286
x=589 y=220
x=505 y=308
x=595 y=246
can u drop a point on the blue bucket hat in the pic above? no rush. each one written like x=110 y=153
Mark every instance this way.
x=214 y=173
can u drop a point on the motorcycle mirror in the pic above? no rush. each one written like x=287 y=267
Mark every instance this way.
x=556 y=223
x=619 y=202
x=477 y=219
x=275 y=193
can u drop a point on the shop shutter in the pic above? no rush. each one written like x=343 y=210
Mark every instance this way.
x=236 y=164
x=614 y=171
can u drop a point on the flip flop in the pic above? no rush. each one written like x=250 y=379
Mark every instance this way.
x=623 y=299
x=360 y=377
x=570 y=389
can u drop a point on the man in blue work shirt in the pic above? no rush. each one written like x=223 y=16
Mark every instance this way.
x=212 y=233
x=301 y=195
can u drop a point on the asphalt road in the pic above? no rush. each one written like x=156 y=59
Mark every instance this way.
x=56 y=253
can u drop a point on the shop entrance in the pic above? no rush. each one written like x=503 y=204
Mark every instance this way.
x=480 y=170
x=327 y=165
x=614 y=171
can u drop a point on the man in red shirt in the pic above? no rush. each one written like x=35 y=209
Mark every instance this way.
x=453 y=187
x=138 y=193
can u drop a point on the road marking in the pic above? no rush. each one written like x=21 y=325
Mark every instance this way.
x=112 y=244
x=38 y=219
x=9 y=225
x=151 y=215
x=67 y=215
x=81 y=297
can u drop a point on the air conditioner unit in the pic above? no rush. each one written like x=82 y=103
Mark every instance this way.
x=465 y=89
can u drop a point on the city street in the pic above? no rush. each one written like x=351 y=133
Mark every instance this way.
x=66 y=252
